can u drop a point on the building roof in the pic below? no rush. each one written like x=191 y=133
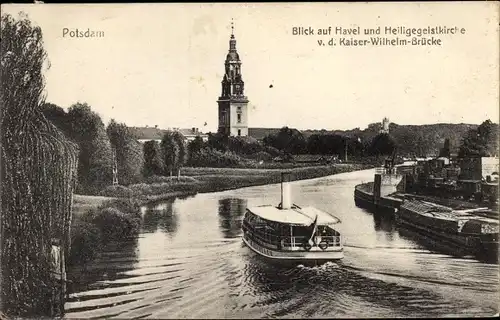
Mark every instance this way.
x=294 y=216
x=147 y=133
x=152 y=133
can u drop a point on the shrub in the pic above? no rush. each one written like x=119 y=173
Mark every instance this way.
x=208 y=157
x=260 y=156
x=114 y=224
x=117 y=191
x=128 y=206
x=164 y=187
x=85 y=242
x=173 y=179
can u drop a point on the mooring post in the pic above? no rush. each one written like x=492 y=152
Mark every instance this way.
x=58 y=273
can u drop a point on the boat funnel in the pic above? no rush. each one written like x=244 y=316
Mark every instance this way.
x=286 y=197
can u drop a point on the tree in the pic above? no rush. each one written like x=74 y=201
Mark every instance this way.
x=182 y=150
x=128 y=152
x=445 y=151
x=480 y=142
x=218 y=141
x=57 y=116
x=95 y=160
x=287 y=140
x=196 y=145
x=153 y=159
x=171 y=152
x=382 y=145
x=38 y=169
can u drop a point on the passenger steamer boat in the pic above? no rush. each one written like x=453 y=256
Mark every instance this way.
x=288 y=233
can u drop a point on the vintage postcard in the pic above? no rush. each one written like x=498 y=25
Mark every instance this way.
x=264 y=160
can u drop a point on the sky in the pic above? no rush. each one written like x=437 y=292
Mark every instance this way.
x=162 y=64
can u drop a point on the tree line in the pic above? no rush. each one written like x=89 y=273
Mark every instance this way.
x=408 y=141
x=105 y=148
x=292 y=141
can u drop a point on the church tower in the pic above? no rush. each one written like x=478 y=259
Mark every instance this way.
x=233 y=104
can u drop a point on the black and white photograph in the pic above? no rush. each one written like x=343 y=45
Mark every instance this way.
x=249 y=160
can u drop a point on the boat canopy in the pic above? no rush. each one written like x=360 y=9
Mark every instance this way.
x=294 y=216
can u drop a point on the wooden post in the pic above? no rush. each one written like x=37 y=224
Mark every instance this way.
x=346 y=150
x=58 y=276
x=115 y=167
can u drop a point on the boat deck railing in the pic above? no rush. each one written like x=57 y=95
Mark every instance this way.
x=295 y=242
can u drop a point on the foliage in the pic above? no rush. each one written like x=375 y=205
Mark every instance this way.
x=38 y=168
x=153 y=159
x=482 y=141
x=113 y=220
x=57 y=116
x=174 y=151
x=128 y=151
x=115 y=224
x=95 y=159
x=196 y=145
x=446 y=150
x=161 y=179
x=208 y=157
x=261 y=156
x=146 y=189
x=85 y=242
x=412 y=140
x=117 y=191
x=334 y=144
x=287 y=140
x=218 y=141
x=382 y=144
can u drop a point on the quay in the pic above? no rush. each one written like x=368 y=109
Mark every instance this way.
x=444 y=207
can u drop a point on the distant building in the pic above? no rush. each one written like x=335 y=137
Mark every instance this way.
x=233 y=104
x=385 y=126
x=478 y=168
x=144 y=134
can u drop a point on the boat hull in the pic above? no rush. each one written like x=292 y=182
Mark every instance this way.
x=484 y=246
x=295 y=257
x=365 y=199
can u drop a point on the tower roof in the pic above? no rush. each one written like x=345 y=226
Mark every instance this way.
x=232 y=54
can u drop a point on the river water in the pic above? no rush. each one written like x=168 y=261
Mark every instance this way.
x=190 y=262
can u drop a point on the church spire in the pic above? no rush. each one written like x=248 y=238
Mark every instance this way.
x=232 y=41
x=233 y=103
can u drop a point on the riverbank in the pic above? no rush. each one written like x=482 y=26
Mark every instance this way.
x=116 y=214
x=204 y=180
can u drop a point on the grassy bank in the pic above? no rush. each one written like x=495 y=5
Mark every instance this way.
x=202 y=180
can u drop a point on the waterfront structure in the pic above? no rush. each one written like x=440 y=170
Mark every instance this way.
x=233 y=104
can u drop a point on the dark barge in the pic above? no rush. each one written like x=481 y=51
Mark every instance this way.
x=471 y=226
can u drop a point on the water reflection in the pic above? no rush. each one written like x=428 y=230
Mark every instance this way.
x=115 y=258
x=162 y=216
x=383 y=222
x=231 y=213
